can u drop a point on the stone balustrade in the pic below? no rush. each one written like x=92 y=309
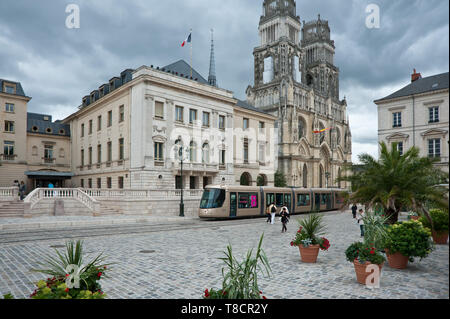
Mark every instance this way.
x=144 y=194
x=9 y=193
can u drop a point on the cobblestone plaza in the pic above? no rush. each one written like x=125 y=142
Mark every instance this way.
x=174 y=260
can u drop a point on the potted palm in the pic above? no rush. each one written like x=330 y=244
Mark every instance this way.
x=440 y=223
x=308 y=238
x=405 y=241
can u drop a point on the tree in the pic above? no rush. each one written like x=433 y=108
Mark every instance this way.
x=280 y=179
x=397 y=182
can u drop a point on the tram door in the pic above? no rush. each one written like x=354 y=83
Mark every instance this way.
x=233 y=204
x=329 y=201
x=317 y=202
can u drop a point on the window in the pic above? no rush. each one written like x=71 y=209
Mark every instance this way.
x=434 y=148
x=159 y=152
x=192 y=152
x=212 y=198
x=9 y=126
x=109 y=151
x=90 y=127
x=221 y=122
x=99 y=183
x=245 y=150
x=192 y=182
x=10 y=89
x=270 y=199
x=121 y=149
x=279 y=200
x=205 y=153
x=48 y=152
x=246 y=124
x=90 y=155
x=9 y=108
x=262 y=153
x=248 y=200
x=90 y=183
x=192 y=116
x=303 y=200
x=400 y=147
x=99 y=123
x=99 y=154
x=121 y=113
x=82 y=183
x=179 y=113
x=222 y=157
x=120 y=182
x=8 y=148
x=159 y=110
x=287 y=200
x=178 y=182
x=110 y=118
x=262 y=127
x=109 y=182
x=397 y=119
x=206 y=119
x=434 y=114
x=82 y=157
x=82 y=130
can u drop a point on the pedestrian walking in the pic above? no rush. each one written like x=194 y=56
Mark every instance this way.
x=360 y=220
x=22 y=190
x=284 y=218
x=354 y=210
x=273 y=211
x=268 y=213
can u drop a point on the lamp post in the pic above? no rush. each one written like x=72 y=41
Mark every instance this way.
x=181 y=155
x=294 y=178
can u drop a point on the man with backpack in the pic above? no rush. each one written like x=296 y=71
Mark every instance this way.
x=272 y=211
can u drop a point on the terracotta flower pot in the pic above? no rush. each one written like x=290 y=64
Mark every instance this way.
x=397 y=260
x=440 y=238
x=361 y=274
x=309 y=254
x=414 y=217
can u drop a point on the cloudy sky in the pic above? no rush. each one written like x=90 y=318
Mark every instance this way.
x=57 y=66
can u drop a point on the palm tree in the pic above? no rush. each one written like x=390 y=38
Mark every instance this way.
x=397 y=182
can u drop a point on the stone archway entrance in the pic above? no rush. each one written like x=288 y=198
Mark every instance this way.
x=246 y=179
x=261 y=180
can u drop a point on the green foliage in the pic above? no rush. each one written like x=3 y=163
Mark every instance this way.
x=280 y=179
x=311 y=228
x=397 y=182
x=57 y=266
x=57 y=289
x=364 y=253
x=410 y=239
x=8 y=296
x=439 y=218
x=375 y=229
x=241 y=280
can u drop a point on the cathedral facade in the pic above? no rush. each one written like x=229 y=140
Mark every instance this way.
x=296 y=81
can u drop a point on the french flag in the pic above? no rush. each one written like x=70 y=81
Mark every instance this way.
x=188 y=40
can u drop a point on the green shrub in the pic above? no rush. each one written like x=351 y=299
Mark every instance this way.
x=440 y=220
x=410 y=239
x=363 y=253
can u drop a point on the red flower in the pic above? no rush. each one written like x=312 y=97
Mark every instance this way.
x=264 y=297
x=292 y=243
x=372 y=252
x=206 y=293
x=99 y=274
x=66 y=290
x=67 y=275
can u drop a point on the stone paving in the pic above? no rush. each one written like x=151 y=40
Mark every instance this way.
x=185 y=262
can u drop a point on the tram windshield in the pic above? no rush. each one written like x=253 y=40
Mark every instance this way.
x=212 y=198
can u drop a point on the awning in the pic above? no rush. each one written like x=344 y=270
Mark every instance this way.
x=49 y=174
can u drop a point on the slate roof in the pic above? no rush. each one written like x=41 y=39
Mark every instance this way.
x=38 y=121
x=250 y=107
x=19 y=89
x=182 y=67
x=423 y=85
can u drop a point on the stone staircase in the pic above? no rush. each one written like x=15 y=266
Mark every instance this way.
x=11 y=209
x=107 y=210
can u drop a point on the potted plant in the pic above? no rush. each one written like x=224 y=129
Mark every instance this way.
x=413 y=216
x=363 y=255
x=308 y=238
x=440 y=223
x=405 y=241
x=70 y=277
x=241 y=280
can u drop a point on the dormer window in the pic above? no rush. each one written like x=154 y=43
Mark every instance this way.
x=35 y=129
x=93 y=97
x=62 y=132
x=46 y=118
x=111 y=85
x=48 y=130
x=9 y=88
x=102 y=92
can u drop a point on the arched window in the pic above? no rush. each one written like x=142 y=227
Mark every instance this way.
x=205 y=153
x=301 y=128
x=321 y=176
x=192 y=152
x=261 y=180
x=176 y=149
x=246 y=179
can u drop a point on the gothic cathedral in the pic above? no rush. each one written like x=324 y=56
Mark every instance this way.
x=296 y=80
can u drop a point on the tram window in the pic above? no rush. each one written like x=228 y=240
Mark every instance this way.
x=303 y=200
x=270 y=198
x=287 y=200
x=248 y=200
x=279 y=200
x=212 y=198
x=324 y=199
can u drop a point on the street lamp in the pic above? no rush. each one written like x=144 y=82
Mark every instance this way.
x=181 y=156
x=294 y=178
x=327 y=175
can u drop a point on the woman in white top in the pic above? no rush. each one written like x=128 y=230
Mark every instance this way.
x=360 y=221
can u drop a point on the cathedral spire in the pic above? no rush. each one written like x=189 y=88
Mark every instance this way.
x=212 y=80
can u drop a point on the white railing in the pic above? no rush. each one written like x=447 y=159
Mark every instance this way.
x=144 y=194
x=9 y=193
x=61 y=193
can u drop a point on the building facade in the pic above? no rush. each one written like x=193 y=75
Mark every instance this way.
x=417 y=115
x=297 y=82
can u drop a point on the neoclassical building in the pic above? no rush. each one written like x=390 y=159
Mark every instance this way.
x=295 y=80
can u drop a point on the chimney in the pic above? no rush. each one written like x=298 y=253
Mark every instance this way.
x=415 y=76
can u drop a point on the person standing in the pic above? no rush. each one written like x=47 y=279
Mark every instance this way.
x=22 y=190
x=354 y=210
x=360 y=219
x=284 y=219
x=268 y=213
x=273 y=211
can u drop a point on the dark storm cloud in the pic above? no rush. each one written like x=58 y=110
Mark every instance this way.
x=58 y=66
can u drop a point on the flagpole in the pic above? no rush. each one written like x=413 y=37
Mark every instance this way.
x=191 y=53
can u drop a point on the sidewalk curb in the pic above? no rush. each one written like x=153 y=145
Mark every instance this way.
x=82 y=223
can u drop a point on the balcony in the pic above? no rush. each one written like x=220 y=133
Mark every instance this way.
x=195 y=167
x=49 y=160
x=8 y=157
